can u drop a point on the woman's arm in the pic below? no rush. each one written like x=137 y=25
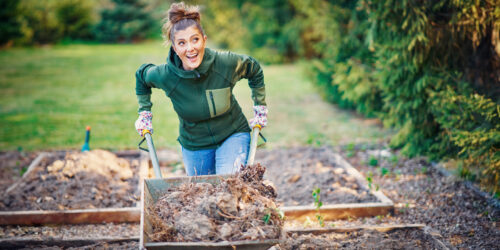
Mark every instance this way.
x=247 y=67
x=144 y=81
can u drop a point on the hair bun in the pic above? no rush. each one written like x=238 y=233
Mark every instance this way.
x=179 y=11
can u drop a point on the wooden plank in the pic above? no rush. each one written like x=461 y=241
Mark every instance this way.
x=72 y=242
x=246 y=244
x=32 y=166
x=361 y=180
x=435 y=236
x=77 y=216
x=338 y=212
x=383 y=229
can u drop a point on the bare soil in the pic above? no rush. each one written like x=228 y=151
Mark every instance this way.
x=422 y=194
x=12 y=165
x=97 y=246
x=364 y=239
x=297 y=171
x=94 y=179
x=464 y=219
x=241 y=207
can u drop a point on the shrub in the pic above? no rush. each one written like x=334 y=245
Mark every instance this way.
x=76 y=19
x=125 y=21
x=10 y=24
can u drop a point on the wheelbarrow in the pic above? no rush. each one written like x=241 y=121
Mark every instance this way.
x=154 y=188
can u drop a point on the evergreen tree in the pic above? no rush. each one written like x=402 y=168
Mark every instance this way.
x=10 y=25
x=125 y=21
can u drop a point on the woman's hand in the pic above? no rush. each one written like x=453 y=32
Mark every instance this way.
x=145 y=121
x=260 y=116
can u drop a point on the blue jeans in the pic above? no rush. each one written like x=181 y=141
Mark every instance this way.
x=226 y=159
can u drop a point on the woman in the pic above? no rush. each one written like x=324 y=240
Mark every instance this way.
x=214 y=133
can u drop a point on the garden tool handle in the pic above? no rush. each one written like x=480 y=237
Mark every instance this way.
x=152 y=152
x=253 y=144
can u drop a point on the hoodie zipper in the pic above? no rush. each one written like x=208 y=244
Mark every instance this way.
x=213 y=102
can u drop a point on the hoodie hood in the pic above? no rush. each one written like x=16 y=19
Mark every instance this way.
x=175 y=64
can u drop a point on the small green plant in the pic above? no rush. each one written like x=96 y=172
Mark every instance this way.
x=394 y=159
x=315 y=139
x=369 y=179
x=350 y=150
x=377 y=187
x=267 y=217
x=384 y=171
x=373 y=161
x=22 y=171
x=318 y=204
x=423 y=170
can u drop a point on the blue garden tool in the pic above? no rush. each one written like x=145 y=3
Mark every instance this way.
x=87 y=138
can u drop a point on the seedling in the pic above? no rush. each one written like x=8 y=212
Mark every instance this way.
x=22 y=171
x=394 y=159
x=423 y=170
x=315 y=139
x=369 y=179
x=384 y=171
x=373 y=161
x=318 y=204
x=350 y=150
x=267 y=217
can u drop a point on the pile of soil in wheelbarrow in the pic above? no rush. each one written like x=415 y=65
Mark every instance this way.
x=241 y=207
x=296 y=172
x=364 y=239
x=81 y=180
x=12 y=166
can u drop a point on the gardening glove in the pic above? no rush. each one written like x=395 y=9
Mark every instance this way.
x=260 y=116
x=145 y=121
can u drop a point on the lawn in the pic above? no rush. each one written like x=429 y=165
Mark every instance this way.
x=50 y=94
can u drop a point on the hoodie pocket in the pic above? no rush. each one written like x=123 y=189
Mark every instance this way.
x=219 y=101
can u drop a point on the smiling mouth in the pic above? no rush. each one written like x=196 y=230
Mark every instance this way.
x=192 y=57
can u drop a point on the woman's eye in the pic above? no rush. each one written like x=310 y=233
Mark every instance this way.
x=195 y=39
x=181 y=43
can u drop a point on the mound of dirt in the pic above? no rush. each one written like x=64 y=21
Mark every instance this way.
x=93 y=179
x=296 y=172
x=241 y=207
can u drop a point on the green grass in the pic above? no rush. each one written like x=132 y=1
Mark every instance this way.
x=48 y=95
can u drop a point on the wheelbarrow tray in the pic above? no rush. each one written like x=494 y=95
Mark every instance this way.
x=153 y=189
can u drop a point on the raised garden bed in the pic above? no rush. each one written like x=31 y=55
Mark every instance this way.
x=345 y=193
x=74 y=187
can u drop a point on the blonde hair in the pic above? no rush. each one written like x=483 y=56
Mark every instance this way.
x=180 y=17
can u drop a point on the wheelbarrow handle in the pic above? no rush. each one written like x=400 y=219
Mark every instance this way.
x=152 y=152
x=253 y=144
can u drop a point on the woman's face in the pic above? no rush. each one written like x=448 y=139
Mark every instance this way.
x=189 y=44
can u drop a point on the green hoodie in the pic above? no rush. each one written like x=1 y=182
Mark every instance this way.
x=203 y=98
